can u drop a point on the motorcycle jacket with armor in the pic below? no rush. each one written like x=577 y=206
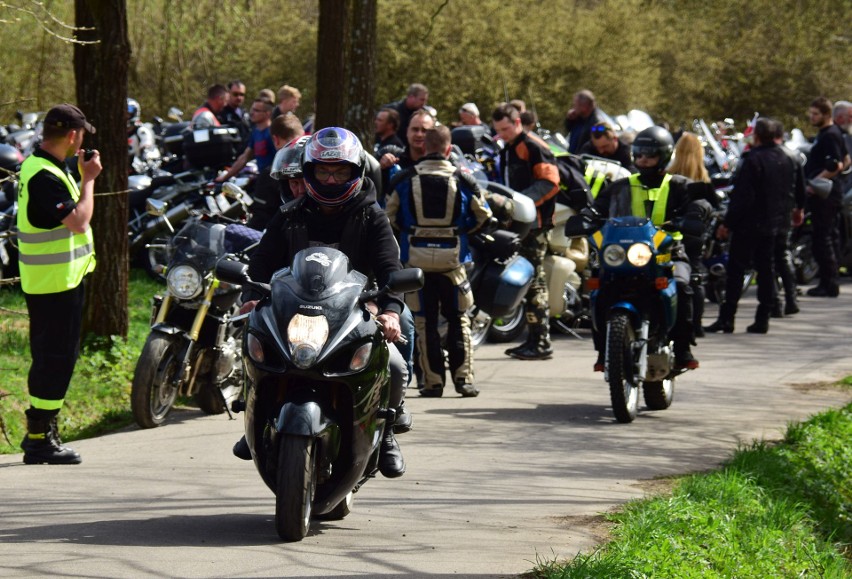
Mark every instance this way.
x=528 y=167
x=435 y=206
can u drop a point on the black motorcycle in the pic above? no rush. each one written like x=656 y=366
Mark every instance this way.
x=317 y=383
x=193 y=348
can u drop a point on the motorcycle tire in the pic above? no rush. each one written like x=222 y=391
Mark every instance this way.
x=508 y=328
x=209 y=400
x=659 y=395
x=152 y=393
x=479 y=326
x=805 y=263
x=623 y=382
x=296 y=483
x=340 y=511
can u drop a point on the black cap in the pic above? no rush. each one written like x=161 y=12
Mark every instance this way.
x=67 y=116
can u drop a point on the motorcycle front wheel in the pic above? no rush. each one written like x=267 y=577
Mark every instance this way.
x=623 y=383
x=508 y=328
x=296 y=482
x=153 y=391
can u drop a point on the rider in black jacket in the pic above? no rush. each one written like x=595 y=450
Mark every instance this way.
x=339 y=210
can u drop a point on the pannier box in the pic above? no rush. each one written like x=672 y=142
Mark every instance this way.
x=502 y=288
x=212 y=147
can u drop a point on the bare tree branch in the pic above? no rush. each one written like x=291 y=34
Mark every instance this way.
x=432 y=19
x=43 y=17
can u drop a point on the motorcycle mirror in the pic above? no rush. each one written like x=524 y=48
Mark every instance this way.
x=406 y=280
x=232 y=190
x=579 y=226
x=175 y=114
x=155 y=207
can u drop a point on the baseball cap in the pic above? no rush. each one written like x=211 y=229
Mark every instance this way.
x=67 y=116
x=470 y=108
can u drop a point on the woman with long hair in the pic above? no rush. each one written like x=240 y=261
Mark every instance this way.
x=688 y=159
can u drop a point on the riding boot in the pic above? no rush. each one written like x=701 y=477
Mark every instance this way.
x=761 y=320
x=391 y=463
x=403 y=420
x=42 y=444
x=725 y=322
x=537 y=346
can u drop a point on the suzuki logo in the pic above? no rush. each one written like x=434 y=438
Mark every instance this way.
x=320 y=258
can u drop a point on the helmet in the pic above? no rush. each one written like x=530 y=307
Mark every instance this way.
x=134 y=111
x=654 y=141
x=288 y=160
x=10 y=160
x=333 y=146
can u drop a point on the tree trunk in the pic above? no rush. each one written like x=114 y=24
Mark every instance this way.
x=361 y=71
x=332 y=43
x=101 y=81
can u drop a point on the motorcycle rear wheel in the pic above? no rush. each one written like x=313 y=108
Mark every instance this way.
x=153 y=392
x=296 y=483
x=508 y=328
x=340 y=511
x=623 y=383
x=659 y=395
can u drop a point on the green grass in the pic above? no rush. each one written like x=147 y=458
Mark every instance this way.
x=781 y=510
x=98 y=399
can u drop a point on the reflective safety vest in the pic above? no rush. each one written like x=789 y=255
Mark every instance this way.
x=51 y=260
x=595 y=180
x=660 y=196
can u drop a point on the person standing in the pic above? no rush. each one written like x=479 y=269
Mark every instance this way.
x=826 y=159
x=435 y=207
x=415 y=99
x=233 y=114
x=56 y=252
x=528 y=167
x=759 y=208
x=386 y=123
x=210 y=113
x=579 y=120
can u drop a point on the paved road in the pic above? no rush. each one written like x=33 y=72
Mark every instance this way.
x=493 y=483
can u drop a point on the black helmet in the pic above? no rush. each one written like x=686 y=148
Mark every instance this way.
x=10 y=160
x=654 y=141
x=288 y=160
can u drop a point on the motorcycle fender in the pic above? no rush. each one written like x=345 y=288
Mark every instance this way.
x=308 y=419
x=630 y=309
x=166 y=329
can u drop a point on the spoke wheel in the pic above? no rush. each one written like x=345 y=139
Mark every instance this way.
x=623 y=383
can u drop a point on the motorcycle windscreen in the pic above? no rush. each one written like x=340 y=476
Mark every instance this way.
x=198 y=242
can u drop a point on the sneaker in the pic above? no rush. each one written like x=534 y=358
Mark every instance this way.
x=531 y=352
x=467 y=390
x=685 y=361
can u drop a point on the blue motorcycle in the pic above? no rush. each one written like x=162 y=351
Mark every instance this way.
x=633 y=301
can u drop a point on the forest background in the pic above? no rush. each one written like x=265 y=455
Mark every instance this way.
x=675 y=59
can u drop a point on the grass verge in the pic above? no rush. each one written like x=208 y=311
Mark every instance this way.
x=98 y=400
x=782 y=510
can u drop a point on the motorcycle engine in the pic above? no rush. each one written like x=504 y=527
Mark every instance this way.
x=227 y=360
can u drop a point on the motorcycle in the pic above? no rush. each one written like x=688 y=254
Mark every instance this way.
x=317 y=383
x=10 y=161
x=633 y=302
x=193 y=347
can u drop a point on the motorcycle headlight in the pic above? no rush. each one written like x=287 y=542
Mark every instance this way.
x=184 y=282
x=639 y=254
x=613 y=255
x=307 y=336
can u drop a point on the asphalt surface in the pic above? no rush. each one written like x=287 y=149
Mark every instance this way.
x=494 y=483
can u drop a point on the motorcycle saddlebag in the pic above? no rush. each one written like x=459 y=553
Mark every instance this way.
x=504 y=286
x=211 y=148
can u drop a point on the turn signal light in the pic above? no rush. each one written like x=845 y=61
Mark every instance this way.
x=593 y=283
x=661 y=283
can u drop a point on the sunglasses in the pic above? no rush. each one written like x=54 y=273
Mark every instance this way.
x=599 y=129
x=340 y=174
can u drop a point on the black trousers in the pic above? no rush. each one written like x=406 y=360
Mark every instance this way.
x=751 y=250
x=55 y=322
x=824 y=218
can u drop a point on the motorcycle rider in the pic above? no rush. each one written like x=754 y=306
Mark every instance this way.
x=339 y=210
x=436 y=201
x=669 y=201
x=528 y=167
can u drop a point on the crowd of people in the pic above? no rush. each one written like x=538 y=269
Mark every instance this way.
x=408 y=205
